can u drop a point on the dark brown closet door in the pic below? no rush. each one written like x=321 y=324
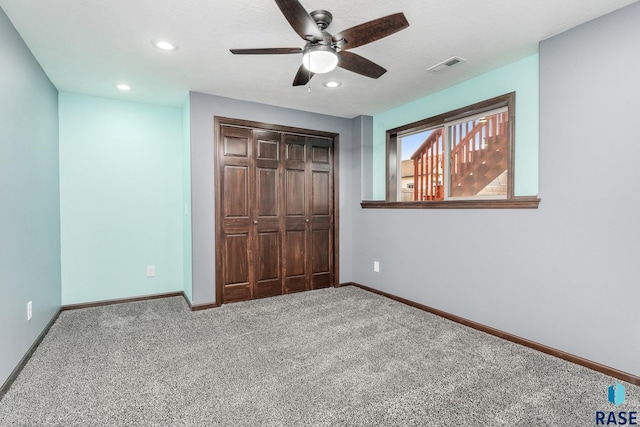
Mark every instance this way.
x=275 y=213
x=266 y=218
x=297 y=277
x=308 y=213
x=320 y=206
x=235 y=153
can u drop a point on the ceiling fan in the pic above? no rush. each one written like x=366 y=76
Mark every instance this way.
x=323 y=52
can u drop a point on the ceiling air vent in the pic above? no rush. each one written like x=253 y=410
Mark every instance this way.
x=454 y=60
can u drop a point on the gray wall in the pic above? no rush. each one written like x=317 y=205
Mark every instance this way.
x=362 y=167
x=29 y=199
x=565 y=275
x=203 y=109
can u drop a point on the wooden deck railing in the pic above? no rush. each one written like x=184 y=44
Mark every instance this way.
x=468 y=140
x=428 y=168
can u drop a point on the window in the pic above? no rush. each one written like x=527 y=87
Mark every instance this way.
x=463 y=158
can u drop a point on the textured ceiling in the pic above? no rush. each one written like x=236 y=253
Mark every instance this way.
x=88 y=46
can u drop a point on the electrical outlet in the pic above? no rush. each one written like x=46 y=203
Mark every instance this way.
x=376 y=266
x=29 y=310
x=151 y=271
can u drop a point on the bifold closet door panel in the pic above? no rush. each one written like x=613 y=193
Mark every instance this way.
x=296 y=277
x=235 y=154
x=321 y=219
x=267 y=215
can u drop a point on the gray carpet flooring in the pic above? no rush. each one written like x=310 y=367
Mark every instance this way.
x=328 y=357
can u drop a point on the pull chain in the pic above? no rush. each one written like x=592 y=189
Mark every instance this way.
x=309 y=81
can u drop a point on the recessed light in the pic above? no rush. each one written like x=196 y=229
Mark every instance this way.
x=123 y=87
x=332 y=84
x=164 y=45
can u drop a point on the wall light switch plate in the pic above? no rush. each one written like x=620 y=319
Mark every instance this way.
x=151 y=271
x=376 y=266
x=29 y=310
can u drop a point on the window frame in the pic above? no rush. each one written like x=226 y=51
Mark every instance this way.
x=392 y=178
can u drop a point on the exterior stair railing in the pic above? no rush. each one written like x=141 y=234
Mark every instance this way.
x=478 y=156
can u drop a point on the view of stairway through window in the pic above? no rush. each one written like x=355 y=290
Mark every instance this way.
x=476 y=149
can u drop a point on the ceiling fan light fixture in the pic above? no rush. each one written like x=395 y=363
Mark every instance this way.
x=319 y=59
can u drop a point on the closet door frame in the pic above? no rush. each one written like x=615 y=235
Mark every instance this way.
x=219 y=235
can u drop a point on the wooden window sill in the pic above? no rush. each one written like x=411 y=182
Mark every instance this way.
x=514 y=203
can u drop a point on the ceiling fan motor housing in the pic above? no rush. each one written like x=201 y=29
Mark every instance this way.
x=322 y=17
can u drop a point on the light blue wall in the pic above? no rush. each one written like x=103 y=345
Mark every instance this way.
x=520 y=76
x=29 y=199
x=121 y=198
x=186 y=198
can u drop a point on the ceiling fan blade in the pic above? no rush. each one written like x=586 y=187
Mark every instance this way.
x=372 y=30
x=300 y=20
x=302 y=77
x=356 y=63
x=267 y=51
